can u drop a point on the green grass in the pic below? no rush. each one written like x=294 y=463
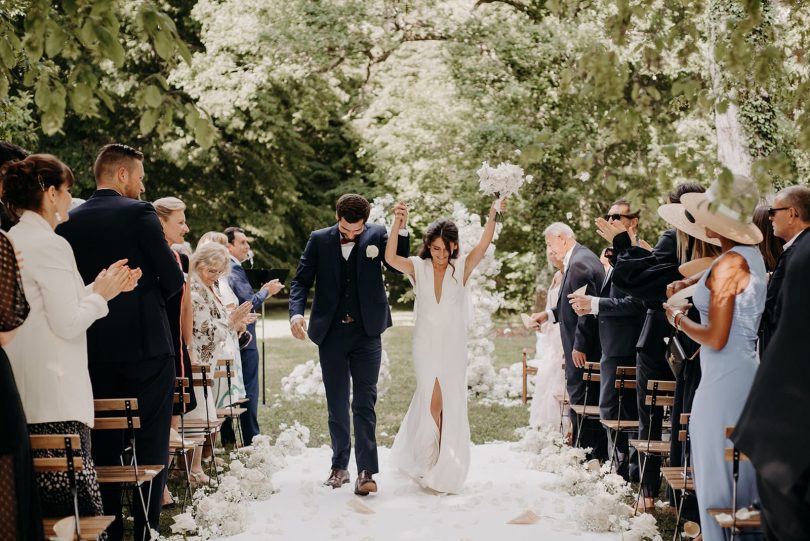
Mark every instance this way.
x=487 y=423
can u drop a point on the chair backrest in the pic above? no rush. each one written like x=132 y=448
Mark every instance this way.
x=591 y=372
x=683 y=433
x=661 y=393
x=181 y=396
x=205 y=380
x=68 y=443
x=732 y=453
x=126 y=407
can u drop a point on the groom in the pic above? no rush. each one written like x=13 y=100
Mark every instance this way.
x=349 y=313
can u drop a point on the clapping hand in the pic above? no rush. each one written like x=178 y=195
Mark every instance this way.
x=239 y=315
x=539 y=318
x=112 y=280
x=609 y=230
x=273 y=287
x=580 y=303
x=676 y=286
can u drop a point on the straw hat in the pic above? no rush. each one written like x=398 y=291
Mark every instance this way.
x=696 y=266
x=679 y=299
x=728 y=215
x=675 y=215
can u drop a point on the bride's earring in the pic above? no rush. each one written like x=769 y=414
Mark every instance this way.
x=58 y=217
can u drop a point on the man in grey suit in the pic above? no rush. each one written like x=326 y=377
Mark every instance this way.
x=620 y=318
x=580 y=335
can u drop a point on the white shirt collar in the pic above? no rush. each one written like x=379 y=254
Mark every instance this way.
x=236 y=261
x=789 y=243
x=567 y=257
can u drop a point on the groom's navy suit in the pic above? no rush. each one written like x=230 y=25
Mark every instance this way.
x=349 y=313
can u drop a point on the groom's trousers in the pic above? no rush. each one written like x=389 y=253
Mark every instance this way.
x=347 y=356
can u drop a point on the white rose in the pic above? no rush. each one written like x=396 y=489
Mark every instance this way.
x=372 y=251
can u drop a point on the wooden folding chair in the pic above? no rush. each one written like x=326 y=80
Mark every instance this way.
x=527 y=371
x=180 y=451
x=735 y=526
x=680 y=478
x=662 y=393
x=231 y=411
x=625 y=381
x=121 y=414
x=205 y=426
x=591 y=375
x=86 y=528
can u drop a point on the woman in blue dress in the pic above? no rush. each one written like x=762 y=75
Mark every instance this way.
x=730 y=297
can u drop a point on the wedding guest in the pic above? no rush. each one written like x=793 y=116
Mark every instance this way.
x=730 y=297
x=771 y=246
x=213 y=327
x=550 y=378
x=580 y=335
x=645 y=274
x=130 y=351
x=19 y=503
x=772 y=430
x=620 y=318
x=49 y=353
x=172 y=216
x=239 y=247
x=790 y=218
x=8 y=152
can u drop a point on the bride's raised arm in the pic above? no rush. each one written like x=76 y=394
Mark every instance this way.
x=402 y=264
x=477 y=254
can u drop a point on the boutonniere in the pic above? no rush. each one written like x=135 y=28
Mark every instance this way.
x=372 y=251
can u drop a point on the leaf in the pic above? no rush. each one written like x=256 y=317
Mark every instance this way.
x=148 y=120
x=204 y=134
x=110 y=45
x=152 y=96
x=163 y=45
x=105 y=98
x=81 y=99
x=55 y=41
x=3 y=86
x=69 y=6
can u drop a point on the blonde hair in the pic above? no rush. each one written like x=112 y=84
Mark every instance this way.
x=213 y=236
x=210 y=255
x=166 y=205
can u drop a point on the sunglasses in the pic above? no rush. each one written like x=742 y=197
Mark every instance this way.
x=617 y=217
x=772 y=211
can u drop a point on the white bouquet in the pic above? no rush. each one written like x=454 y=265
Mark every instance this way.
x=503 y=180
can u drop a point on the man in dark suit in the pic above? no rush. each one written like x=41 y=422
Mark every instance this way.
x=130 y=352
x=239 y=247
x=773 y=429
x=620 y=318
x=349 y=313
x=790 y=218
x=580 y=335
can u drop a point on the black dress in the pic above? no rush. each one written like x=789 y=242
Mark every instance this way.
x=182 y=362
x=20 y=515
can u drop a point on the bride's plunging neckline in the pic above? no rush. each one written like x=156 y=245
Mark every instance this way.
x=438 y=298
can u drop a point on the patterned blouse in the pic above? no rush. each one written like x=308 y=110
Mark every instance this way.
x=211 y=332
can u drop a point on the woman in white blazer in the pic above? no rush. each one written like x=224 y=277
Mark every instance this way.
x=49 y=353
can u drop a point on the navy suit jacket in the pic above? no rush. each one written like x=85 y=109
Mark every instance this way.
x=109 y=227
x=579 y=333
x=620 y=320
x=320 y=265
x=238 y=281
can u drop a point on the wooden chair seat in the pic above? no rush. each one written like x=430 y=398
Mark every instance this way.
x=202 y=424
x=91 y=527
x=175 y=447
x=619 y=424
x=230 y=413
x=241 y=401
x=588 y=411
x=674 y=478
x=753 y=523
x=561 y=398
x=655 y=447
x=125 y=475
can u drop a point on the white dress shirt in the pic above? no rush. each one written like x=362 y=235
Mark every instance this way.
x=49 y=353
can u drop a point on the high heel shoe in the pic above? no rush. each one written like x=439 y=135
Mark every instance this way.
x=199 y=479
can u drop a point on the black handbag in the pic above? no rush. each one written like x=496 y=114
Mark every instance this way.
x=244 y=339
x=676 y=355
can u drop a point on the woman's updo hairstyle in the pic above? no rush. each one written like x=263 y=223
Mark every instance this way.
x=441 y=229
x=24 y=182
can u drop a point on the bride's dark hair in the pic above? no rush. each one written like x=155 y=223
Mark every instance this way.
x=445 y=230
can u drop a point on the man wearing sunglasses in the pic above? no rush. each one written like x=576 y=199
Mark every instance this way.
x=790 y=218
x=620 y=318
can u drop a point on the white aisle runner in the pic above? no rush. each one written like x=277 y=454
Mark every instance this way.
x=499 y=488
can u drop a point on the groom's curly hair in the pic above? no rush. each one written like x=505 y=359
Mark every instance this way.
x=353 y=208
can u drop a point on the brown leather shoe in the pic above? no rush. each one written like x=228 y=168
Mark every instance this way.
x=337 y=478
x=364 y=484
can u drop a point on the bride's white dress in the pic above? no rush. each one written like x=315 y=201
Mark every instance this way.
x=439 y=353
x=550 y=379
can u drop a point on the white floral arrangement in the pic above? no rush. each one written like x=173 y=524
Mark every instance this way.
x=306 y=380
x=249 y=477
x=503 y=180
x=601 y=496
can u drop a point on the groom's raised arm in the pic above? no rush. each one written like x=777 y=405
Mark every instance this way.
x=304 y=278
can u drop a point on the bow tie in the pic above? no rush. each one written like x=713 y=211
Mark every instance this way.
x=345 y=241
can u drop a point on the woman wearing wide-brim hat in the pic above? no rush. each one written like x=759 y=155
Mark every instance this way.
x=730 y=297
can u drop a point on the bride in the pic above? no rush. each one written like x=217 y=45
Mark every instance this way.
x=433 y=443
